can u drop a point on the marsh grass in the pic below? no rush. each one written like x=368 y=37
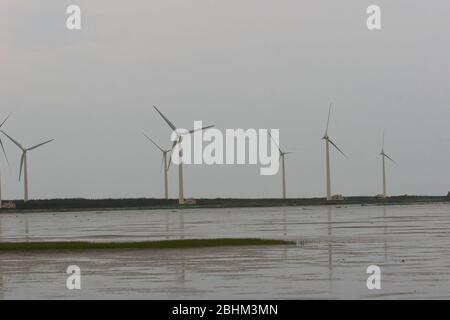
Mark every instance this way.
x=165 y=244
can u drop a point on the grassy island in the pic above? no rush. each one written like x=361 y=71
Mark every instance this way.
x=165 y=244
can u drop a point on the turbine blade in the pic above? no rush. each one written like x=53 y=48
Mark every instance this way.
x=334 y=145
x=14 y=141
x=276 y=144
x=389 y=158
x=382 y=145
x=328 y=121
x=40 y=145
x=4 y=151
x=1 y=125
x=192 y=131
x=22 y=160
x=174 y=144
x=171 y=125
x=153 y=142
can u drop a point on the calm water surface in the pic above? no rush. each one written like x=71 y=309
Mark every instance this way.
x=335 y=245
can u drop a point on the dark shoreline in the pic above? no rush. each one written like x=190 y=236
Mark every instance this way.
x=71 y=205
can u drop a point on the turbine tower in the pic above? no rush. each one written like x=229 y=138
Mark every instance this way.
x=384 y=156
x=283 y=168
x=23 y=162
x=163 y=164
x=327 y=151
x=178 y=141
x=4 y=152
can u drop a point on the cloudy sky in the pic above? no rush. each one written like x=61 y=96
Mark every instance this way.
x=236 y=64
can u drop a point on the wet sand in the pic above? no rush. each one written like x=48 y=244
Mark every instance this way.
x=411 y=244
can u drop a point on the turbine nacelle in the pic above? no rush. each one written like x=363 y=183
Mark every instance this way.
x=388 y=157
x=179 y=133
x=328 y=141
x=25 y=151
x=178 y=139
x=326 y=136
x=335 y=146
x=164 y=151
x=382 y=153
x=282 y=155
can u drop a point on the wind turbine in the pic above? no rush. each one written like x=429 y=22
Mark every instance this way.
x=23 y=162
x=179 y=140
x=4 y=152
x=283 y=168
x=384 y=156
x=327 y=150
x=163 y=164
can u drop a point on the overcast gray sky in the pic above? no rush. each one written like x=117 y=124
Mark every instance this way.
x=236 y=64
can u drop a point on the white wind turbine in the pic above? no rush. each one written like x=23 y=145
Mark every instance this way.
x=327 y=147
x=4 y=152
x=283 y=168
x=175 y=143
x=163 y=166
x=383 y=165
x=23 y=162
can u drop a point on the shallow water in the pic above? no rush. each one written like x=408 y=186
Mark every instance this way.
x=411 y=245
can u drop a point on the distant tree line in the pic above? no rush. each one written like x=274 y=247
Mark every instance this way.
x=152 y=203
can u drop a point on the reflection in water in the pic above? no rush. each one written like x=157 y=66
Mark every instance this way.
x=27 y=273
x=180 y=271
x=182 y=224
x=180 y=266
x=166 y=214
x=2 y=281
x=284 y=231
x=27 y=228
x=330 y=247
x=385 y=233
x=353 y=237
x=177 y=233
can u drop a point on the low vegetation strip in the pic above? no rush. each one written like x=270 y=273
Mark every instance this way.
x=166 y=244
x=52 y=205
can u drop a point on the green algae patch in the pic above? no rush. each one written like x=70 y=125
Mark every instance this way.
x=164 y=244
